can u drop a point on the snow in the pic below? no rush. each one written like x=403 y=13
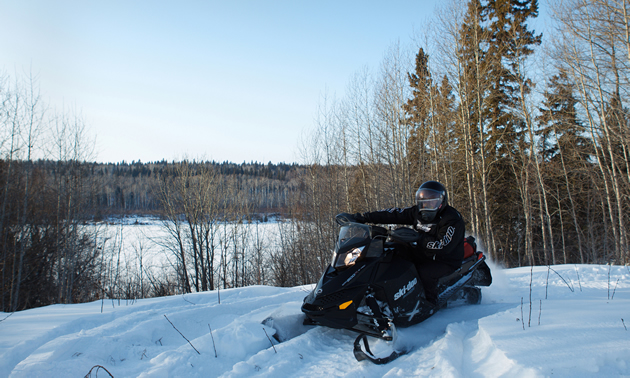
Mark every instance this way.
x=577 y=328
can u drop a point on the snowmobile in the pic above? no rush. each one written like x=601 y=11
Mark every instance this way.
x=370 y=289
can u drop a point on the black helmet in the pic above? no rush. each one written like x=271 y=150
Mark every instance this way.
x=431 y=198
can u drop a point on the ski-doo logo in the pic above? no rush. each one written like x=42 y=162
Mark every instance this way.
x=405 y=289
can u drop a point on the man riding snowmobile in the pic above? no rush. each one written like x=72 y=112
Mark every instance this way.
x=440 y=250
x=371 y=288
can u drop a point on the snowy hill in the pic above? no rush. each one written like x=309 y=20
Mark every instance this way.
x=577 y=328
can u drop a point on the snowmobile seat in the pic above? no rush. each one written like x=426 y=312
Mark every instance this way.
x=470 y=258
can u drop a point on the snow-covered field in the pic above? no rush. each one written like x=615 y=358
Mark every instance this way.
x=578 y=327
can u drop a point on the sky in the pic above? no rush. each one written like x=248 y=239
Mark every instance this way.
x=215 y=80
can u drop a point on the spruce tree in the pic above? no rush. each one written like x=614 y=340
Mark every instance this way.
x=566 y=153
x=559 y=125
x=417 y=114
x=509 y=43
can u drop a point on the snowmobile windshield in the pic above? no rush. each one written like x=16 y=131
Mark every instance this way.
x=352 y=240
x=352 y=233
x=429 y=199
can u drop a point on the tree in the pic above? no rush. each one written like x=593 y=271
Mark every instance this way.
x=418 y=112
x=564 y=147
x=594 y=50
x=192 y=200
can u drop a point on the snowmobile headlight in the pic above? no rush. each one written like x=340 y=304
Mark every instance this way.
x=353 y=255
x=347 y=259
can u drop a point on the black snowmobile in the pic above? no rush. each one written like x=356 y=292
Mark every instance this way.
x=369 y=289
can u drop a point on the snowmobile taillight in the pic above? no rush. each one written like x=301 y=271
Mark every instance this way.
x=345 y=305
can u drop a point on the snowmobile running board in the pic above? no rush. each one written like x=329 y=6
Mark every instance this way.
x=360 y=355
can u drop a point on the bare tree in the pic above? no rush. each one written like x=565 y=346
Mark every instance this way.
x=593 y=33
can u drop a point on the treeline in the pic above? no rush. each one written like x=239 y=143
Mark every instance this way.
x=131 y=188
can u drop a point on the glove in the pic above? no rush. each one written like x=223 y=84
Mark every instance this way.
x=359 y=218
x=343 y=218
x=424 y=228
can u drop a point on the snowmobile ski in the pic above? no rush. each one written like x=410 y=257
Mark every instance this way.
x=286 y=327
x=361 y=355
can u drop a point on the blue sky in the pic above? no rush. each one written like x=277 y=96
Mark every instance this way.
x=219 y=80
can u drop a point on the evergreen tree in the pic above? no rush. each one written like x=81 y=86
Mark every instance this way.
x=559 y=125
x=449 y=139
x=418 y=113
x=509 y=44
x=566 y=151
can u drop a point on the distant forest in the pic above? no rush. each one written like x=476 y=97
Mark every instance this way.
x=133 y=188
x=529 y=133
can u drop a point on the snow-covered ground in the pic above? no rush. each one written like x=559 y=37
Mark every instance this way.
x=578 y=327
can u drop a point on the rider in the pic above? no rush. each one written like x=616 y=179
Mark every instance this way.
x=440 y=250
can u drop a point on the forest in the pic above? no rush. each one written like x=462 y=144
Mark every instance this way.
x=528 y=132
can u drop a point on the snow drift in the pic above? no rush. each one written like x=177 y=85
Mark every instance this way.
x=569 y=320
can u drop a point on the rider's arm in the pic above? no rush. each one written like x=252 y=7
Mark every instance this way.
x=391 y=216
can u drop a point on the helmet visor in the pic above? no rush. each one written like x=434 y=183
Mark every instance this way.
x=429 y=199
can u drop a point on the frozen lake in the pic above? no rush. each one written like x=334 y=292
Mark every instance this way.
x=140 y=251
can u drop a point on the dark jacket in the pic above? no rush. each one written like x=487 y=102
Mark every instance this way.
x=442 y=240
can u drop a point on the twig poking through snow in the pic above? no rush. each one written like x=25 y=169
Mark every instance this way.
x=187 y=300
x=182 y=335
x=89 y=374
x=609 y=266
x=214 y=346
x=565 y=281
x=274 y=348
x=6 y=317
x=522 y=321
x=614 y=290
x=578 y=277
x=531 y=278
x=546 y=284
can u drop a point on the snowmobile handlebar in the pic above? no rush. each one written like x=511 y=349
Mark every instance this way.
x=401 y=235
x=405 y=235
